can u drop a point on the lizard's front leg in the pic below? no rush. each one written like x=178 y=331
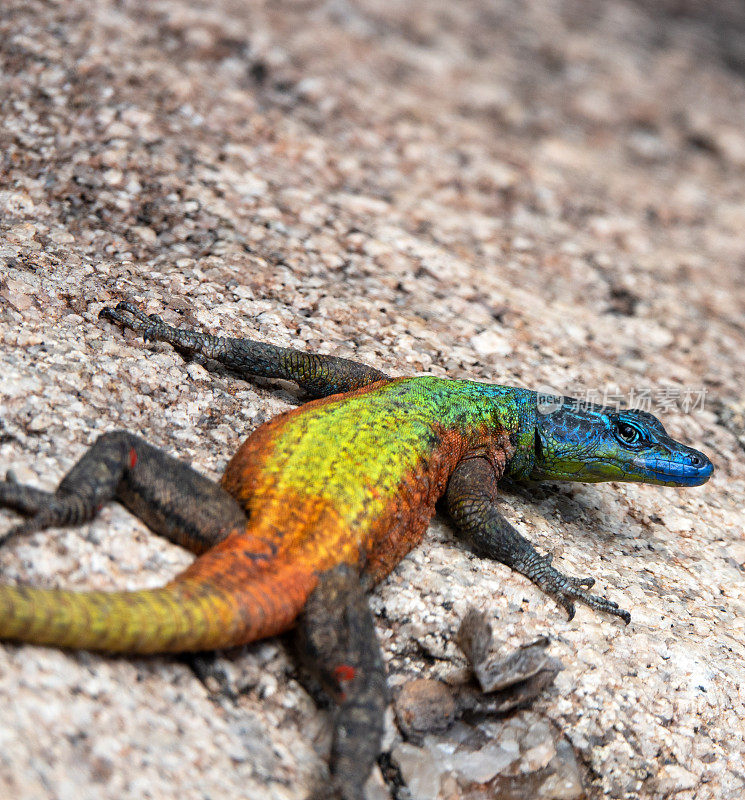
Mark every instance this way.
x=471 y=496
x=338 y=641
x=318 y=375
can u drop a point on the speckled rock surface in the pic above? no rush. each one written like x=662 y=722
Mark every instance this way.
x=542 y=194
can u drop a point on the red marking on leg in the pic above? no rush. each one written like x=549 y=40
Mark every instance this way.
x=344 y=673
x=132 y=458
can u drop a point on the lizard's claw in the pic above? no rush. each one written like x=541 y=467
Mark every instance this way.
x=567 y=597
x=566 y=590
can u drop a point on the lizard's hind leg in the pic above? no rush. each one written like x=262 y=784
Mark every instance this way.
x=234 y=592
x=171 y=498
x=339 y=644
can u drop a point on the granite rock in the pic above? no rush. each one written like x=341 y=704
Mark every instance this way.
x=540 y=194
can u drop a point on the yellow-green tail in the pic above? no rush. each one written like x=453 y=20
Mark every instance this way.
x=221 y=600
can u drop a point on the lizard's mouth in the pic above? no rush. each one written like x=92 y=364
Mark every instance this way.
x=693 y=471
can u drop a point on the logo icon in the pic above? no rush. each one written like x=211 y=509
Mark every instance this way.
x=548 y=400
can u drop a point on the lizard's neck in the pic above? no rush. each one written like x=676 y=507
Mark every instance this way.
x=523 y=437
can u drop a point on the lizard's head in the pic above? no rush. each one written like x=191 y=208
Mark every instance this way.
x=575 y=442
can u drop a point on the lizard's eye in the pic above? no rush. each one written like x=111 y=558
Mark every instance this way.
x=627 y=433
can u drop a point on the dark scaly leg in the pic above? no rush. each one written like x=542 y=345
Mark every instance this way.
x=233 y=593
x=171 y=498
x=338 y=641
x=319 y=375
x=471 y=496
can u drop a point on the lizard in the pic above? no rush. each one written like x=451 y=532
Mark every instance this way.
x=319 y=504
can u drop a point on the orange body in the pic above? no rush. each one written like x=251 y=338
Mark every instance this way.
x=349 y=479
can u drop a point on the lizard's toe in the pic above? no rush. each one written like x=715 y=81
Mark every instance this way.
x=129 y=316
x=568 y=606
x=131 y=308
x=581 y=583
x=23 y=529
x=567 y=590
x=117 y=315
x=603 y=604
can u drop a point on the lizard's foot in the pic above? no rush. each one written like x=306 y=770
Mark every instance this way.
x=338 y=642
x=153 y=329
x=44 y=509
x=151 y=326
x=565 y=590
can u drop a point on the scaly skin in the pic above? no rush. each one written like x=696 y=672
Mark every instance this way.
x=318 y=504
x=319 y=490
x=354 y=478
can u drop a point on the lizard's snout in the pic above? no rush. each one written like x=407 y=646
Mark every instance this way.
x=689 y=468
